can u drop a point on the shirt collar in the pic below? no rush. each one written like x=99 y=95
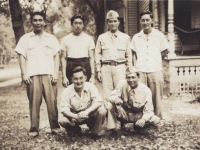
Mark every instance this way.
x=136 y=89
x=74 y=93
x=116 y=33
x=153 y=32
x=43 y=34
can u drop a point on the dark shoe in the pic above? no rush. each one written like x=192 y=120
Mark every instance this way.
x=33 y=134
x=122 y=126
x=73 y=130
x=114 y=134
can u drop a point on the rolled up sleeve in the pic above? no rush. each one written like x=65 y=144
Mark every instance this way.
x=95 y=94
x=64 y=103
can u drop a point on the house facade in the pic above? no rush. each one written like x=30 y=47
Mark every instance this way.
x=179 y=20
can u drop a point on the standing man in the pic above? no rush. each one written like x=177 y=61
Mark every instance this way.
x=38 y=53
x=112 y=54
x=80 y=104
x=131 y=102
x=150 y=46
x=77 y=50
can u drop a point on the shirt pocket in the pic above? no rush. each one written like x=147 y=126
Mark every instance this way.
x=105 y=51
x=31 y=51
x=48 y=50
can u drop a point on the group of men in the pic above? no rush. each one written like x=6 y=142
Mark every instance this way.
x=130 y=73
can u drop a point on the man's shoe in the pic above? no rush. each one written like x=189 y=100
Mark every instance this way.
x=56 y=131
x=33 y=134
x=114 y=134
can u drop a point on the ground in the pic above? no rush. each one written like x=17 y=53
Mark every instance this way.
x=179 y=130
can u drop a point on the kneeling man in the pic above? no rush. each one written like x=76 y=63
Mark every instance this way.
x=131 y=102
x=81 y=104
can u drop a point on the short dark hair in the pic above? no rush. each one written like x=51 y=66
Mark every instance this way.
x=79 y=69
x=77 y=16
x=146 y=13
x=41 y=13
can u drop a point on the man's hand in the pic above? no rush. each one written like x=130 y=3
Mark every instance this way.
x=115 y=100
x=65 y=81
x=54 y=78
x=83 y=114
x=92 y=79
x=140 y=123
x=121 y=113
x=26 y=79
x=77 y=119
x=99 y=76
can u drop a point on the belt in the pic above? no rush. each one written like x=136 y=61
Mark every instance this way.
x=113 y=63
x=77 y=59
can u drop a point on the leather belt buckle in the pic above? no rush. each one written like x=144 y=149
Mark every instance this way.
x=113 y=63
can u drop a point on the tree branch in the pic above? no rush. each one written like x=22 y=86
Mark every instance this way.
x=92 y=7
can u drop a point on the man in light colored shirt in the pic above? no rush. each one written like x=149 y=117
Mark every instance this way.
x=132 y=102
x=38 y=54
x=112 y=54
x=150 y=46
x=77 y=50
x=81 y=104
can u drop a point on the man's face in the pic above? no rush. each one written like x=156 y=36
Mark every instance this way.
x=38 y=23
x=78 y=79
x=146 y=21
x=113 y=24
x=77 y=26
x=132 y=80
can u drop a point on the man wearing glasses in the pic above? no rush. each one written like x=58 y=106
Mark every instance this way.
x=77 y=50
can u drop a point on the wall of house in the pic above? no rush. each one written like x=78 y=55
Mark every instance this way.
x=132 y=17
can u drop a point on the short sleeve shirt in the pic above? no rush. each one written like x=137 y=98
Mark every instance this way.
x=77 y=46
x=39 y=52
x=70 y=100
x=149 y=50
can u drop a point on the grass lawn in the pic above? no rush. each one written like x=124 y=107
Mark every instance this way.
x=179 y=131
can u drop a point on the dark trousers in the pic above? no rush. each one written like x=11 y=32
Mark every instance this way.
x=74 y=62
x=41 y=87
x=94 y=122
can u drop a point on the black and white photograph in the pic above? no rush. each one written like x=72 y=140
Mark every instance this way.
x=99 y=74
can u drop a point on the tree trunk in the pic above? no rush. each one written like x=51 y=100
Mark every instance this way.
x=17 y=21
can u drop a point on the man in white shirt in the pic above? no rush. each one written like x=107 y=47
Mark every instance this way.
x=150 y=46
x=38 y=53
x=81 y=104
x=77 y=50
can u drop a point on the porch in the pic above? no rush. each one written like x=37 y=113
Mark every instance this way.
x=172 y=17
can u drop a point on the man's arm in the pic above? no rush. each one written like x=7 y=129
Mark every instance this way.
x=22 y=63
x=98 y=57
x=92 y=65
x=56 y=68
x=164 y=53
x=65 y=81
x=129 y=54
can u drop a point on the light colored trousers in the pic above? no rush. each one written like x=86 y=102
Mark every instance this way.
x=155 y=82
x=41 y=87
x=94 y=122
x=133 y=117
x=111 y=75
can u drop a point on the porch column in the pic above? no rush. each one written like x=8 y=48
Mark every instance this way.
x=171 y=35
x=155 y=12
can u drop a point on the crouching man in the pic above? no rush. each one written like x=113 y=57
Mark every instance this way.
x=81 y=104
x=131 y=102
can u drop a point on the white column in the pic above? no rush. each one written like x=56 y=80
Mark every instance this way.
x=171 y=35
